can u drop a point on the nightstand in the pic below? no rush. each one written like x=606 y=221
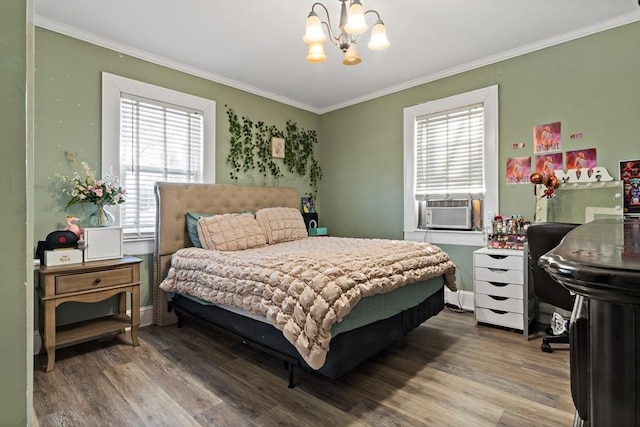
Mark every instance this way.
x=88 y=282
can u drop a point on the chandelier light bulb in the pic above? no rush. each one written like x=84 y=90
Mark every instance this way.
x=378 y=36
x=351 y=56
x=355 y=19
x=316 y=53
x=314 y=33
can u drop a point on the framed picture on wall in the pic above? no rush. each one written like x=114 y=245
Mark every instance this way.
x=630 y=177
x=277 y=148
x=307 y=204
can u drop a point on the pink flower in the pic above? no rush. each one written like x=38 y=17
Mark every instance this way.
x=85 y=188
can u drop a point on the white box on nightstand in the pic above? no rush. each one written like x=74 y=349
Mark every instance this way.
x=62 y=257
x=102 y=243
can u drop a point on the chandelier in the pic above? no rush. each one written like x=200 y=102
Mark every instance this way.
x=352 y=24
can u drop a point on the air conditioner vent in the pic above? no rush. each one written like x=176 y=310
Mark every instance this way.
x=448 y=214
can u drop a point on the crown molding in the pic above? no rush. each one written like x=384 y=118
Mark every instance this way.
x=107 y=43
x=89 y=37
x=532 y=47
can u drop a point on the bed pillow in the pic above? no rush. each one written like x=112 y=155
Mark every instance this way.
x=192 y=226
x=230 y=232
x=281 y=224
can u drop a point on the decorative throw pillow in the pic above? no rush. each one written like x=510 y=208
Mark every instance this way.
x=281 y=224
x=192 y=226
x=230 y=232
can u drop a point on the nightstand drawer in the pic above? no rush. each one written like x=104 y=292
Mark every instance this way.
x=499 y=289
x=499 y=275
x=513 y=305
x=505 y=262
x=93 y=280
x=497 y=317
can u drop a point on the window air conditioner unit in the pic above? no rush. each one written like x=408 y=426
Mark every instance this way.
x=450 y=213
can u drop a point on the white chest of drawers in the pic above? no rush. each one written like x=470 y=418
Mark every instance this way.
x=501 y=292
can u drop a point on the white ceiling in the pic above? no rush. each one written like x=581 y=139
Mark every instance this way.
x=256 y=45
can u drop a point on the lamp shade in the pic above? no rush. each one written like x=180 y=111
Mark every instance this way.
x=316 y=53
x=314 y=33
x=355 y=19
x=378 y=37
x=351 y=56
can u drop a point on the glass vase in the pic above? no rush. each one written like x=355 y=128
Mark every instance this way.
x=101 y=217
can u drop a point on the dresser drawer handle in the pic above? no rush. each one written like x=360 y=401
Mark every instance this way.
x=498 y=284
x=96 y=282
x=497 y=298
x=498 y=311
x=498 y=256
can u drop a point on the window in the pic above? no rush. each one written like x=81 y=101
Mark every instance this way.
x=451 y=151
x=153 y=134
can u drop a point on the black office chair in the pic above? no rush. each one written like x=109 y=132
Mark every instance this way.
x=541 y=238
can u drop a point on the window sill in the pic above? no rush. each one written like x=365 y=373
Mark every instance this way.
x=142 y=246
x=447 y=237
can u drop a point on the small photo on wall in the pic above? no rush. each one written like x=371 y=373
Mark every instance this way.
x=547 y=164
x=518 y=170
x=581 y=159
x=630 y=177
x=546 y=138
x=307 y=204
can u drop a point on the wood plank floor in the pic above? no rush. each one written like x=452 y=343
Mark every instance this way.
x=448 y=372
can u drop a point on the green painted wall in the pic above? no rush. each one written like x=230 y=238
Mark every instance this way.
x=462 y=256
x=68 y=113
x=68 y=117
x=591 y=85
x=14 y=327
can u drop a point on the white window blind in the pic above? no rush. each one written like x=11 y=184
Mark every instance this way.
x=158 y=142
x=450 y=153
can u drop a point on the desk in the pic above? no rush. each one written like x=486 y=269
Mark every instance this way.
x=600 y=262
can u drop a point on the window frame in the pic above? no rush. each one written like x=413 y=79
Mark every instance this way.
x=488 y=96
x=112 y=88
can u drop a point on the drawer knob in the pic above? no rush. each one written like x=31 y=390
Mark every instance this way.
x=97 y=281
x=498 y=284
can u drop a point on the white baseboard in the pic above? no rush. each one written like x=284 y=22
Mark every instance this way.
x=461 y=299
x=146 y=316
x=146 y=319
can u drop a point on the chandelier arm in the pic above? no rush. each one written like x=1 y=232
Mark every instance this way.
x=373 y=11
x=333 y=38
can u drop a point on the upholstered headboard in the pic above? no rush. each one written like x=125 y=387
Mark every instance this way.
x=173 y=200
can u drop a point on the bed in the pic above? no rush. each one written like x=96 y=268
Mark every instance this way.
x=337 y=340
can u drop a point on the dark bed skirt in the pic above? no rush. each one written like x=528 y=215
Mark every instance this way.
x=347 y=350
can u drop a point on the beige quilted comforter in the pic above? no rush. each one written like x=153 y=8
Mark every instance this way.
x=306 y=286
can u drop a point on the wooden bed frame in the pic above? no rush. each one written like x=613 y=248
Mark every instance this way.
x=347 y=349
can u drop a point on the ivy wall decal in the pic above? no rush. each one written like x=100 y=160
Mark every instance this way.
x=250 y=151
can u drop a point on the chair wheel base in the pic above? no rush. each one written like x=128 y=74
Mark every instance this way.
x=546 y=347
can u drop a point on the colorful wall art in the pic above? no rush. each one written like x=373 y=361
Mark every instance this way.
x=546 y=138
x=518 y=170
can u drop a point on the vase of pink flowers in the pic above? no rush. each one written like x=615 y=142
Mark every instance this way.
x=84 y=187
x=101 y=217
